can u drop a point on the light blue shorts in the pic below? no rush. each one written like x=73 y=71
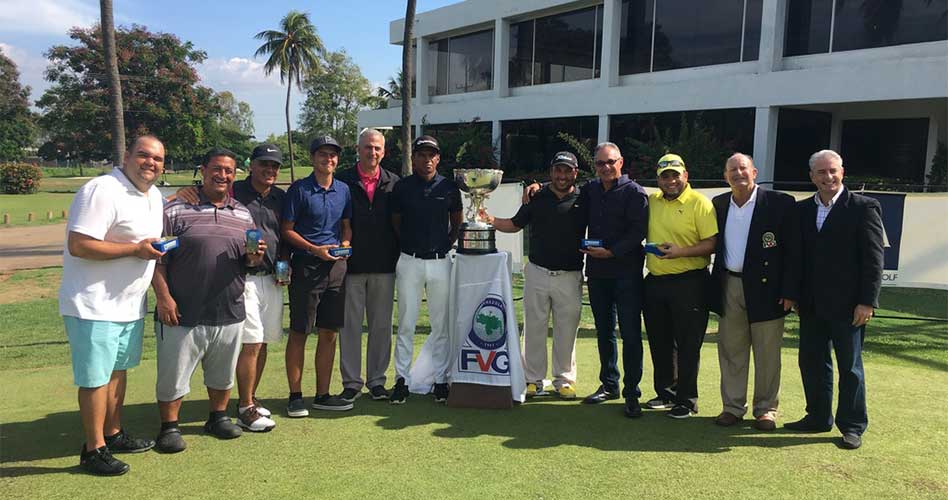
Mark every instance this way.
x=101 y=347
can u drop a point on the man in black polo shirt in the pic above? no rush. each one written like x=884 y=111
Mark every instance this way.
x=370 y=275
x=426 y=214
x=553 y=277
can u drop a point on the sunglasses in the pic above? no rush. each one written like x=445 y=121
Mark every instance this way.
x=603 y=163
x=671 y=163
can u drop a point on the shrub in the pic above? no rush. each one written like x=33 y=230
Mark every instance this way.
x=938 y=175
x=20 y=178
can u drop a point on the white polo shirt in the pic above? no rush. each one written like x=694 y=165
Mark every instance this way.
x=110 y=208
x=735 y=232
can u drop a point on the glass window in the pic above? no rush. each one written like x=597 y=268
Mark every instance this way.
x=893 y=149
x=808 y=27
x=879 y=23
x=528 y=145
x=461 y=64
x=635 y=37
x=800 y=133
x=752 y=29
x=561 y=48
x=689 y=33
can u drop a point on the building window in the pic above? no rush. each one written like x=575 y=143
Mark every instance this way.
x=528 y=145
x=892 y=150
x=820 y=26
x=800 y=133
x=670 y=34
x=560 y=48
x=461 y=64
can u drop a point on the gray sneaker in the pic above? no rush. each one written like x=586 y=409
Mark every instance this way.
x=296 y=408
x=378 y=393
x=331 y=403
x=350 y=395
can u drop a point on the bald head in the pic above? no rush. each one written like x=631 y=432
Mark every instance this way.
x=740 y=173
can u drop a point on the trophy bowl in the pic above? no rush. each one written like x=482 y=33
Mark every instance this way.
x=477 y=236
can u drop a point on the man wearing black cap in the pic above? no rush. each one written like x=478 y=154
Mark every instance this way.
x=553 y=277
x=426 y=215
x=316 y=219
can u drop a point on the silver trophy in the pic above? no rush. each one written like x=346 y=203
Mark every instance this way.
x=477 y=236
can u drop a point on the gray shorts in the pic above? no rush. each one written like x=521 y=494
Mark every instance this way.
x=180 y=348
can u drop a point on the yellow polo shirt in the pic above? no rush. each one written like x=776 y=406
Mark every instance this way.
x=684 y=221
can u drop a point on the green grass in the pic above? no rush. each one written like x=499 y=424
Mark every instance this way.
x=543 y=449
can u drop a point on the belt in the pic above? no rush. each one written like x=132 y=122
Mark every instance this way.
x=427 y=255
x=550 y=271
x=735 y=274
x=258 y=271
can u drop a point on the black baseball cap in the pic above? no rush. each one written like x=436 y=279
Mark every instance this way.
x=267 y=152
x=425 y=141
x=564 y=158
x=324 y=140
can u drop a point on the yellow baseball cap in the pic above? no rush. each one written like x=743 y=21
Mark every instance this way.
x=670 y=162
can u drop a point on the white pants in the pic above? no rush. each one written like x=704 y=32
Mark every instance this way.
x=559 y=293
x=412 y=278
x=263 y=300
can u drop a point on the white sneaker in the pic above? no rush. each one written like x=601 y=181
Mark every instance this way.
x=260 y=409
x=253 y=421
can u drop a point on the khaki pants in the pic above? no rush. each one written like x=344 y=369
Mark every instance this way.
x=559 y=292
x=736 y=338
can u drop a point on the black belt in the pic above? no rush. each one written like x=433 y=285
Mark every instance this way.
x=428 y=255
x=735 y=274
x=258 y=271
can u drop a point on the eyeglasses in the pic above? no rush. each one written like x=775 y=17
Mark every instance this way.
x=671 y=163
x=610 y=162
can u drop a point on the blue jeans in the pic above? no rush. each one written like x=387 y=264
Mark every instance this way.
x=611 y=298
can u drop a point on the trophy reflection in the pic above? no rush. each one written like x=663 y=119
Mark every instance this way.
x=477 y=236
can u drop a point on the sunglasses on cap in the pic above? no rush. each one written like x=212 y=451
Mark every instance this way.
x=671 y=163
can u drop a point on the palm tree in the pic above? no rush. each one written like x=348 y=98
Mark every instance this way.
x=392 y=89
x=294 y=49
x=115 y=85
x=407 y=72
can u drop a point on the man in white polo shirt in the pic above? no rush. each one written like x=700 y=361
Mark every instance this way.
x=107 y=266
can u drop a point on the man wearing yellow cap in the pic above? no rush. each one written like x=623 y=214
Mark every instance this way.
x=683 y=227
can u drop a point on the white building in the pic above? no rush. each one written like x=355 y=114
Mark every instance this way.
x=778 y=78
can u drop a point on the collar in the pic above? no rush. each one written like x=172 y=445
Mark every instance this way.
x=434 y=180
x=119 y=174
x=366 y=178
x=204 y=200
x=750 y=201
x=317 y=187
x=247 y=185
x=819 y=203
x=683 y=198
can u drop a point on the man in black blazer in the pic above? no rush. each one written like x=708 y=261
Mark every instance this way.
x=756 y=283
x=841 y=277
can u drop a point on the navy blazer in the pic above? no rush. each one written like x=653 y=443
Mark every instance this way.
x=842 y=263
x=772 y=257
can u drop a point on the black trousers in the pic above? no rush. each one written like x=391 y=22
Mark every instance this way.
x=676 y=317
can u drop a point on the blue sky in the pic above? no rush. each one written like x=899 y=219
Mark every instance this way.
x=224 y=29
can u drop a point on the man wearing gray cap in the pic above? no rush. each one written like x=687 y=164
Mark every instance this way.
x=554 y=276
x=315 y=221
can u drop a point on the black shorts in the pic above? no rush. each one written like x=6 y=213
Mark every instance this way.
x=317 y=294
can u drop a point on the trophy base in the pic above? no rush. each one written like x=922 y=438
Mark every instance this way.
x=476 y=239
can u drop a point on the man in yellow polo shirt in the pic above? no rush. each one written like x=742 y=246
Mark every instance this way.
x=682 y=223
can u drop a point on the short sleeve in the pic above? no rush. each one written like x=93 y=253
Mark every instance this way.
x=291 y=203
x=523 y=216
x=455 y=205
x=347 y=210
x=92 y=211
x=705 y=219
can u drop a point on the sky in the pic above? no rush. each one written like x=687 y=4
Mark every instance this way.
x=223 y=29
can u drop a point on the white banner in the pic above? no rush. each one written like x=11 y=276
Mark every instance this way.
x=486 y=340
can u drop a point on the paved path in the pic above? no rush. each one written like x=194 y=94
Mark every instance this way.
x=29 y=247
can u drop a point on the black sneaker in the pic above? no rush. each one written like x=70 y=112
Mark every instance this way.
x=632 y=408
x=331 y=403
x=222 y=427
x=600 y=396
x=123 y=443
x=296 y=408
x=681 y=411
x=658 y=403
x=170 y=441
x=350 y=395
x=399 y=392
x=378 y=393
x=441 y=392
x=100 y=462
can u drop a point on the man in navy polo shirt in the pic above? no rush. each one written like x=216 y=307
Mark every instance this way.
x=316 y=215
x=426 y=214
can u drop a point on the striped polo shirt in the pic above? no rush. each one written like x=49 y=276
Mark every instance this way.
x=206 y=272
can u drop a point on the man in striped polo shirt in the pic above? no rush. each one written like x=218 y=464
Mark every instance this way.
x=199 y=287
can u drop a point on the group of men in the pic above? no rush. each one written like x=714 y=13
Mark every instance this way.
x=220 y=298
x=821 y=256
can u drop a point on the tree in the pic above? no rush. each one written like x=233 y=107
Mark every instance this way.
x=293 y=49
x=160 y=93
x=235 y=115
x=115 y=85
x=17 y=124
x=407 y=72
x=334 y=98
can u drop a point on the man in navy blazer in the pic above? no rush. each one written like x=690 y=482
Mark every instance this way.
x=756 y=283
x=841 y=277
